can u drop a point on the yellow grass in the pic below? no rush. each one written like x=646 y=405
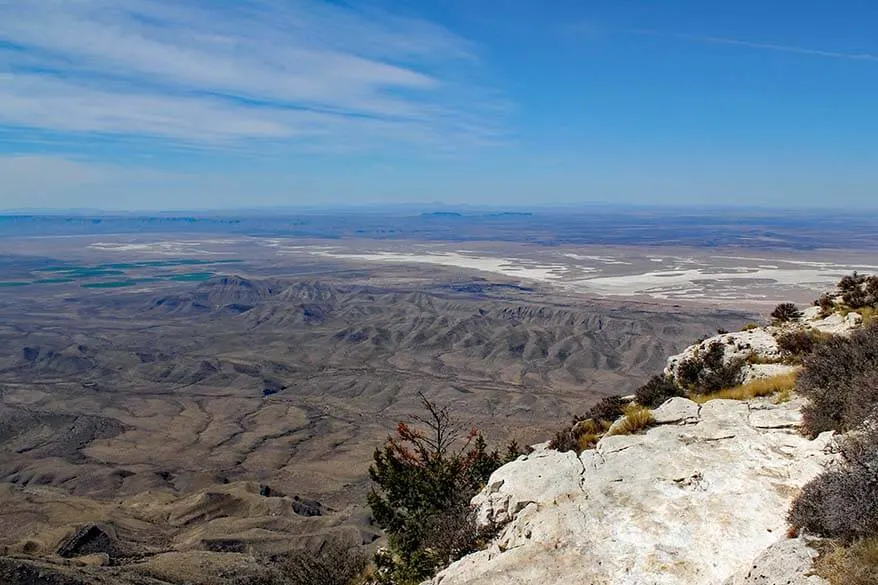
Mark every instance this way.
x=855 y=564
x=869 y=314
x=637 y=418
x=589 y=432
x=762 y=387
x=588 y=441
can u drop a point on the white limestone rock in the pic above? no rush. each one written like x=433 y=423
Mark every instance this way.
x=676 y=410
x=689 y=502
x=546 y=474
x=758 y=342
x=788 y=562
x=836 y=323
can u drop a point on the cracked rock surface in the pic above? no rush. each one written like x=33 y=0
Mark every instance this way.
x=694 y=500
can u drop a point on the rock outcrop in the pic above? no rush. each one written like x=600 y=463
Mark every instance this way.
x=788 y=562
x=692 y=501
x=758 y=347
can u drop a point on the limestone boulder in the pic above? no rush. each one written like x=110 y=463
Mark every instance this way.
x=692 y=501
x=787 y=562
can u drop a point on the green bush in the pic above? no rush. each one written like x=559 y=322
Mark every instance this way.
x=859 y=291
x=835 y=378
x=786 y=312
x=709 y=372
x=424 y=481
x=657 y=390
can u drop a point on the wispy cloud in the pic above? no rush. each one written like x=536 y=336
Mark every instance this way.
x=757 y=45
x=204 y=73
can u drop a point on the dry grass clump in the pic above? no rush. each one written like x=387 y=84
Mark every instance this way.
x=855 y=564
x=782 y=384
x=587 y=430
x=869 y=314
x=637 y=418
x=750 y=327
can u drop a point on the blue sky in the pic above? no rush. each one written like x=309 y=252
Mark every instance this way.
x=172 y=104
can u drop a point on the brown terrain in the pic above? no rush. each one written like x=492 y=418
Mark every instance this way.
x=172 y=433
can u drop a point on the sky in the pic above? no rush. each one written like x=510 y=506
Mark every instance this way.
x=203 y=104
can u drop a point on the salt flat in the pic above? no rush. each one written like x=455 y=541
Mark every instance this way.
x=684 y=275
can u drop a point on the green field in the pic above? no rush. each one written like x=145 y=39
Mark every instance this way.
x=122 y=274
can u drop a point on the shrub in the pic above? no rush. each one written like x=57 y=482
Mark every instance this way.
x=333 y=563
x=584 y=434
x=855 y=298
x=709 y=372
x=862 y=400
x=826 y=304
x=657 y=390
x=750 y=327
x=858 y=290
x=608 y=408
x=871 y=288
x=854 y=564
x=424 y=480
x=843 y=502
x=565 y=440
x=797 y=344
x=829 y=379
x=786 y=312
x=585 y=431
x=755 y=389
x=637 y=418
x=851 y=282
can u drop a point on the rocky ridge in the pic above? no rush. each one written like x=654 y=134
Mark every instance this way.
x=760 y=344
x=700 y=498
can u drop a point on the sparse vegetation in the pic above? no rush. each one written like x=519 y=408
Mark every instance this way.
x=852 y=564
x=587 y=430
x=637 y=418
x=333 y=563
x=424 y=480
x=785 y=312
x=826 y=302
x=750 y=327
x=709 y=371
x=608 y=408
x=583 y=434
x=657 y=390
x=836 y=378
x=842 y=502
x=782 y=383
x=840 y=378
x=797 y=344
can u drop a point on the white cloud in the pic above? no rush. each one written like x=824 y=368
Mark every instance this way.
x=208 y=73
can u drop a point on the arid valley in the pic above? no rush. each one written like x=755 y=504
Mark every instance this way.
x=184 y=401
